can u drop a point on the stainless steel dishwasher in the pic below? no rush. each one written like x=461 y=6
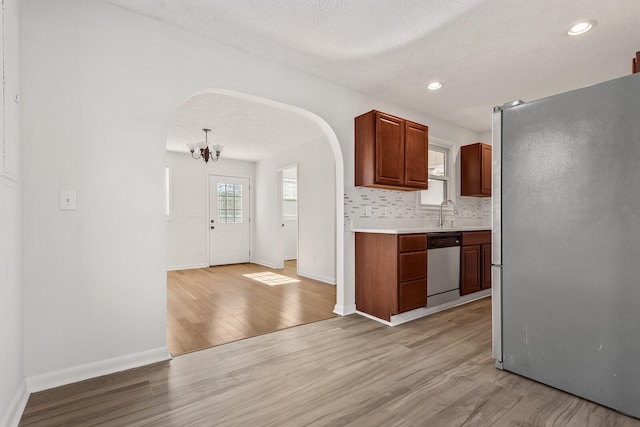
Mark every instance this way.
x=443 y=267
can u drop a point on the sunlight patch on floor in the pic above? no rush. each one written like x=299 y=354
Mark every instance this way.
x=271 y=279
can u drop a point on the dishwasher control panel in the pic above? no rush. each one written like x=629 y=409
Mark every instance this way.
x=445 y=239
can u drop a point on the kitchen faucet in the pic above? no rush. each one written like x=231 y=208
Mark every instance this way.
x=445 y=202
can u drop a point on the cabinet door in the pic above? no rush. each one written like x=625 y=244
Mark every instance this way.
x=412 y=295
x=469 y=269
x=390 y=146
x=475 y=170
x=486 y=170
x=416 y=163
x=486 y=266
x=376 y=274
x=412 y=242
x=412 y=266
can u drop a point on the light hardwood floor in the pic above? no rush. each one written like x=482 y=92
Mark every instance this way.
x=212 y=306
x=345 y=371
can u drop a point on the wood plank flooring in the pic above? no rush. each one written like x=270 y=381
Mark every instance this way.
x=212 y=306
x=344 y=371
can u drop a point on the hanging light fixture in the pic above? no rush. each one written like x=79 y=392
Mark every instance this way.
x=206 y=153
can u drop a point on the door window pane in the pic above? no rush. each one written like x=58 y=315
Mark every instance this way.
x=229 y=203
x=290 y=189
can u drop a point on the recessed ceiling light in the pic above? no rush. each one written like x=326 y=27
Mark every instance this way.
x=434 y=85
x=581 y=27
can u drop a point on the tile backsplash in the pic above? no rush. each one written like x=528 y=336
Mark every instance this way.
x=377 y=208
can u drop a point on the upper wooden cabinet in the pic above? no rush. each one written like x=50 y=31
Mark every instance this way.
x=475 y=170
x=390 y=152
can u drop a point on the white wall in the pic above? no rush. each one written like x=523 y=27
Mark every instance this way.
x=100 y=87
x=316 y=209
x=95 y=278
x=13 y=391
x=188 y=227
x=486 y=137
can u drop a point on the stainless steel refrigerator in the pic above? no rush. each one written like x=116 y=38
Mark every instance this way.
x=566 y=224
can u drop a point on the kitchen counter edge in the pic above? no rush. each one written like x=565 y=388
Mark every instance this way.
x=418 y=230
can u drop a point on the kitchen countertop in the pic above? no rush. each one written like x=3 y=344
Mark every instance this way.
x=419 y=230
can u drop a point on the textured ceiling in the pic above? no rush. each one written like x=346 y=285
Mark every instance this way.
x=247 y=128
x=486 y=52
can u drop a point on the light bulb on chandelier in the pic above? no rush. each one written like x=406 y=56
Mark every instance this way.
x=206 y=153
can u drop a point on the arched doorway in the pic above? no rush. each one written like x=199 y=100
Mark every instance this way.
x=223 y=110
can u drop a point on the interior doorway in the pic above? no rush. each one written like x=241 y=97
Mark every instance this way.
x=246 y=126
x=288 y=218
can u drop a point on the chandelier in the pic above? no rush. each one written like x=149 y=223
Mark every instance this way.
x=206 y=153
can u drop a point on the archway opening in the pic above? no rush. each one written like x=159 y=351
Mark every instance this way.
x=259 y=136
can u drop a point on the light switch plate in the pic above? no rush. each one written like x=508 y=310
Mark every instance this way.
x=68 y=200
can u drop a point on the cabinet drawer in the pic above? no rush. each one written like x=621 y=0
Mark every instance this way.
x=412 y=295
x=412 y=242
x=412 y=265
x=475 y=237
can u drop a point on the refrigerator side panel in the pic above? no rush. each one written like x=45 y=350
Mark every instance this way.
x=496 y=315
x=571 y=242
x=496 y=187
x=496 y=238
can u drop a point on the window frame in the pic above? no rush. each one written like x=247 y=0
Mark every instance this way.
x=448 y=148
x=168 y=184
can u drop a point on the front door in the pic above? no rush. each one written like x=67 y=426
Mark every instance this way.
x=228 y=220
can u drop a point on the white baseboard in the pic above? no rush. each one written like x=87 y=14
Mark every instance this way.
x=16 y=408
x=186 y=267
x=408 y=316
x=342 y=310
x=368 y=316
x=96 y=369
x=319 y=278
x=401 y=318
x=264 y=264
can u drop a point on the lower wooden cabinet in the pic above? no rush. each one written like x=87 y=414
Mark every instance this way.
x=469 y=269
x=475 y=261
x=391 y=273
